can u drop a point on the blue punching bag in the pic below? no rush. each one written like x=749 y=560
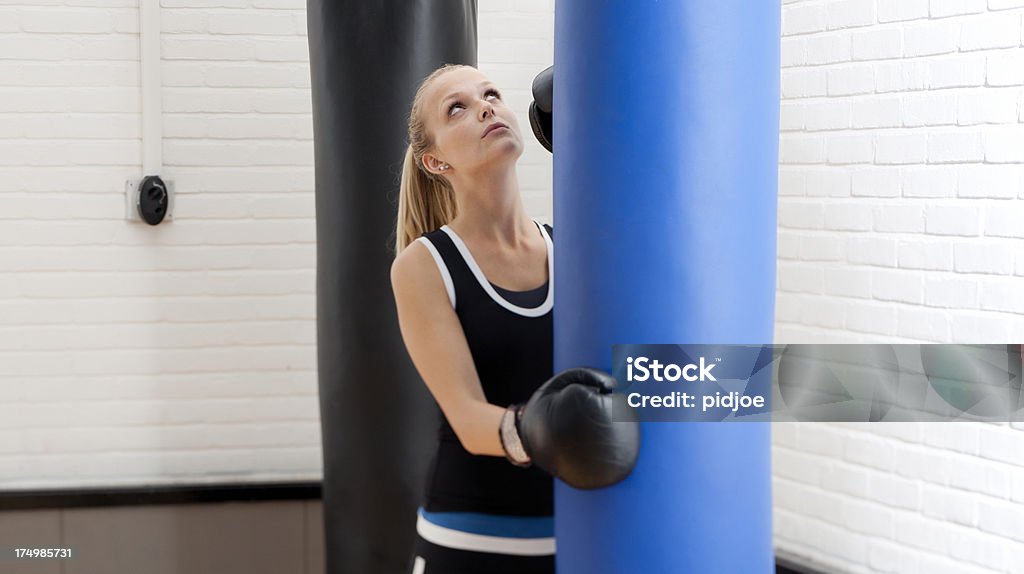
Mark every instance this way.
x=665 y=167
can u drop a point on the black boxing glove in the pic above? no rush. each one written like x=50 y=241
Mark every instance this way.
x=540 y=107
x=566 y=429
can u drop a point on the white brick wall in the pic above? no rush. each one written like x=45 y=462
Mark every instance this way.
x=902 y=163
x=183 y=353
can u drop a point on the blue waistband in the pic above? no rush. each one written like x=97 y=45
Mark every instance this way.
x=493 y=524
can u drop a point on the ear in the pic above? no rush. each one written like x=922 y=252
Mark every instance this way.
x=435 y=165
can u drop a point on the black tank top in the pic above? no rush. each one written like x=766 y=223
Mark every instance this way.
x=511 y=340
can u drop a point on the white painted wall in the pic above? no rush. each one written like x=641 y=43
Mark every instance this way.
x=901 y=219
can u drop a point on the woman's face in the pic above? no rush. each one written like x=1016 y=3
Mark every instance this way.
x=461 y=108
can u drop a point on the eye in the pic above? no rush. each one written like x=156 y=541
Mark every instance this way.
x=489 y=92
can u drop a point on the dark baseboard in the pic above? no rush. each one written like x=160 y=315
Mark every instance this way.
x=212 y=493
x=786 y=564
x=148 y=495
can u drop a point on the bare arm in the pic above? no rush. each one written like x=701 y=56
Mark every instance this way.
x=438 y=348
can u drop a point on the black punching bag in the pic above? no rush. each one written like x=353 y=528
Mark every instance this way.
x=378 y=423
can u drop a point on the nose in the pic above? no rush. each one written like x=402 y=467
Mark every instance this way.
x=486 y=110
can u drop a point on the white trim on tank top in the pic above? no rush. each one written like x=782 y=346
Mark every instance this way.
x=459 y=540
x=524 y=311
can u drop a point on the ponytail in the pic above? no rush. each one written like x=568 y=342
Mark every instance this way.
x=425 y=202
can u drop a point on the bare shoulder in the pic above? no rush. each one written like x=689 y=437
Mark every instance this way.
x=412 y=259
x=414 y=269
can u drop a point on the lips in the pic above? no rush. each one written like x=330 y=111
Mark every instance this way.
x=493 y=127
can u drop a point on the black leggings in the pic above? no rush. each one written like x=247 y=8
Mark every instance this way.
x=430 y=558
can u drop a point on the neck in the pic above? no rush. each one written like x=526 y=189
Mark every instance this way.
x=491 y=208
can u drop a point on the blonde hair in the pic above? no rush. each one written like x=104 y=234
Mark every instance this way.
x=426 y=201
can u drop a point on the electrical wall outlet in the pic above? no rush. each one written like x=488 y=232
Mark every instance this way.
x=131 y=200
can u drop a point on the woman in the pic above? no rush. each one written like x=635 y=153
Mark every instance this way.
x=474 y=292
